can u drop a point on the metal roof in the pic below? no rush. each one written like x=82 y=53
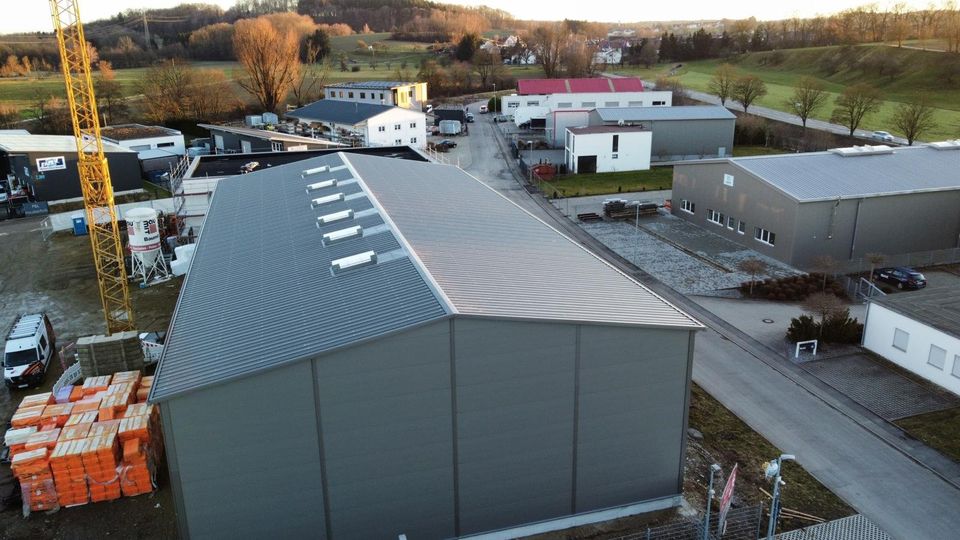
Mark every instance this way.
x=48 y=143
x=682 y=112
x=375 y=85
x=260 y=291
x=526 y=87
x=339 y=112
x=267 y=135
x=828 y=175
x=938 y=308
x=606 y=129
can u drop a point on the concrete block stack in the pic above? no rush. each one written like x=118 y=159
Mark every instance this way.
x=104 y=355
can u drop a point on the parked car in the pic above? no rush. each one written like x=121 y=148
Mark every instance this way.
x=483 y=109
x=882 y=136
x=30 y=346
x=449 y=143
x=470 y=117
x=901 y=276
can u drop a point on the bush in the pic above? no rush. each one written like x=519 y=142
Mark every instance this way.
x=841 y=328
x=792 y=288
x=354 y=68
x=803 y=328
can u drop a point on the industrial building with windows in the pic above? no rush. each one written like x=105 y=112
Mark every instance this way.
x=364 y=124
x=684 y=132
x=409 y=95
x=843 y=203
x=371 y=361
x=244 y=140
x=157 y=147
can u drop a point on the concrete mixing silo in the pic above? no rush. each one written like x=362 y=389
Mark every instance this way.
x=146 y=260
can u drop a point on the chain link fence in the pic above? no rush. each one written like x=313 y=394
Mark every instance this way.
x=742 y=524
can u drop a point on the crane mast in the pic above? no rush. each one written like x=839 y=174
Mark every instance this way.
x=92 y=164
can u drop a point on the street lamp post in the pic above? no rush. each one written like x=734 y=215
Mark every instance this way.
x=530 y=165
x=713 y=469
x=773 y=470
x=496 y=104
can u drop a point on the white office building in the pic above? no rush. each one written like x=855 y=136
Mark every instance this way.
x=363 y=124
x=607 y=149
x=409 y=95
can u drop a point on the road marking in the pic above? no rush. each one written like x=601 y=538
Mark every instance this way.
x=4 y=233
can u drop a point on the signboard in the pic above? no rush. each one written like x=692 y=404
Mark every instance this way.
x=728 y=180
x=34 y=208
x=725 y=499
x=54 y=163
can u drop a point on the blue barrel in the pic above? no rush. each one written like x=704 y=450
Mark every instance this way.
x=79 y=226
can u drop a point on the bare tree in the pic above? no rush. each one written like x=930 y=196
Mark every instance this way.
x=271 y=60
x=721 y=85
x=166 y=89
x=547 y=42
x=485 y=63
x=823 y=305
x=875 y=260
x=754 y=267
x=579 y=57
x=9 y=116
x=826 y=265
x=808 y=95
x=748 y=89
x=211 y=94
x=854 y=104
x=914 y=118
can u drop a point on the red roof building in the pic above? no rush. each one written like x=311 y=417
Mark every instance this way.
x=527 y=87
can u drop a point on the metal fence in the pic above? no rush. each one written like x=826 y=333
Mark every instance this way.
x=742 y=524
x=918 y=258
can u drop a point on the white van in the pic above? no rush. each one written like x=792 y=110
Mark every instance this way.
x=28 y=350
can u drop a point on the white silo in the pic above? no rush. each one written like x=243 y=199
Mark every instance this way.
x=146 y=260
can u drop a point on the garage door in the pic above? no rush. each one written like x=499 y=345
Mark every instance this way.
x=586 y=164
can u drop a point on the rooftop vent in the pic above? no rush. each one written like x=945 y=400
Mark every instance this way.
x=320 y=201
x=865 y=150
x=321 y=185
x=946 y=145
x=353 y=261
x=313 y=171
x=342 y=234
x=334 y=217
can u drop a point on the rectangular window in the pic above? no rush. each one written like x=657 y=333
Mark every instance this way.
x=513 y=105
x=341 y=93
x=165 y=145
x=381 y=128
x=616 y=143
x=937 y=357
x=715 y=217
x=731 y=223
x=900 y=339
x=43 y=342
x=765 y=236
x=728 y=180
x=397 y=142
x=635 y=104
x=410 y=93
x=659 y=103
x=413 y=140
x=276 y=146
x=688 y=206
x=956 y=366
x=396 y=127
x=363 y=95
x=349 y=94
x=742 y=227
x=564 y=105
x=588 y=104
x=413 y=125
x=611 y=103
x=614 y=156
x=533 y=103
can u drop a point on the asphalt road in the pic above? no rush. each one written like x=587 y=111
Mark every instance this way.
x=854 y=455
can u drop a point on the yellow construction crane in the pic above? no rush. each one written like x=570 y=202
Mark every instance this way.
x=92 y=164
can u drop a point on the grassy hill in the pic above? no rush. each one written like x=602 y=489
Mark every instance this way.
x=901 y=74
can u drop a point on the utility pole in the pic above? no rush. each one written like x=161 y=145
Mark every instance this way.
x=773 y=470
x=713 y=469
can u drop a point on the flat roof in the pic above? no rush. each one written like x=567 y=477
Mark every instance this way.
x=265 y=292
x=526 y=87
x=125 y=132
x=376 y=85
x=220 y=165
x=48 y=143
x=606 y=129
x=268 y=135
x=339 y=112
x=680 y=112
x=937 y=308
x=829 y=175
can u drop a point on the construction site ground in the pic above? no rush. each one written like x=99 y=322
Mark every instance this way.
x=57 y=276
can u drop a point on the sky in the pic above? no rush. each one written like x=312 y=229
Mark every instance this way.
x=34 y=15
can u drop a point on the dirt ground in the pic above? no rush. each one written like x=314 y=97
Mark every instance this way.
x=57 y=276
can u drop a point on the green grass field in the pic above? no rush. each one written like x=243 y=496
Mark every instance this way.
x=920 y=74
x=580 y=185
x=939 y=430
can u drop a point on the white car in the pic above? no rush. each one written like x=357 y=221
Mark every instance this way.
x=882 y=136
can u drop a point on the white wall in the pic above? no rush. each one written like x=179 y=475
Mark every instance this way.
x=153 y=143
x=633 y=150
x=413 y=124
x=878 y=337
x=541 y=105
x=382 y=96
x=558 y=122
x=64 y=220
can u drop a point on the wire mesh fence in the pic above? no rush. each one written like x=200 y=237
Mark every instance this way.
x=742 y=524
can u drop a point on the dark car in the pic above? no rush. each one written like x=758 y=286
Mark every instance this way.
x=901 y=276
x=448 y=143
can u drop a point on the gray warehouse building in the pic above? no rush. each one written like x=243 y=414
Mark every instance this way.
x=683 y=132
x=845 y=202
x=48 y=165
x=369 y=358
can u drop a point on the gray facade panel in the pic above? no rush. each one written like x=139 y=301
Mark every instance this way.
x=125 y=173
x=686 y=139
x=387 y=430
x=749 y=200
x=255 y=436
x=632 y=380
x=516 y=450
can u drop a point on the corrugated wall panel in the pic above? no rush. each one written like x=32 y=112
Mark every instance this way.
x=248 y=457
x=515 y=390
x=388 y=436
x=632 y=407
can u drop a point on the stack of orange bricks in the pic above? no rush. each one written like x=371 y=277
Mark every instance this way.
x=100 y=445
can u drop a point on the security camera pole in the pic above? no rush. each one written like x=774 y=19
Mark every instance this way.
x=772 y=470
x=713 y=469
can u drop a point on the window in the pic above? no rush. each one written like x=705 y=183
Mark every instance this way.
x=635 y=104
x=900 y=339
x=715 y=217
x=614 y=156
x=410 y=93
x=688 y=206
x=43 y=344
x=937 y=357
x=350 y=94
x=728 y=180
x=533 y=103
x=381 y=96
x=139 y=147
x=396 y=127
x=397 y=142
x=276 y=146
x=742 y=227
x=341 y=93
x=165 y=145
x=611 y=103
x=589 y=104
x=513 y=105
x=956 y=366
x=363 y=95
x=381 y=128
x=413 y=125
x=659 y=103
x=765 y=236
x=564 y=105
x=731 y=222
x=413 y=140
x=616 y=143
